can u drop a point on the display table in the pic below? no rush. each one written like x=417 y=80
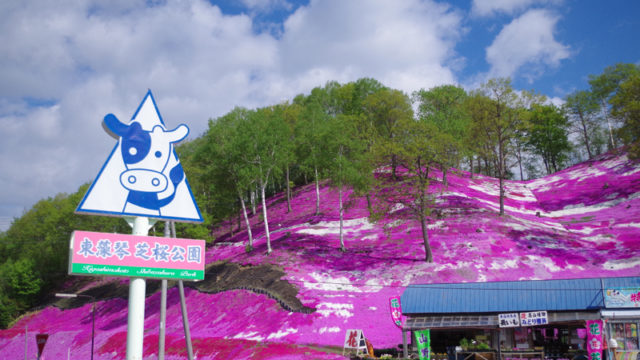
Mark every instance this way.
x=488 y=354
x=522 y=354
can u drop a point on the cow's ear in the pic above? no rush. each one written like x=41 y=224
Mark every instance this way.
x=113 y=126
x=178 y=134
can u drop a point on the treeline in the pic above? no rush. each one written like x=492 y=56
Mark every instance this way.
x=361 y=135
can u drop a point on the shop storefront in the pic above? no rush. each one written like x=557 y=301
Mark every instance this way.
x=578 y=319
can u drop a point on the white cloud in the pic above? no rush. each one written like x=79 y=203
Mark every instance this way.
x=527 y=40
x=267 y=6
x=79 y=61
x=402 y=44
x=510 y=7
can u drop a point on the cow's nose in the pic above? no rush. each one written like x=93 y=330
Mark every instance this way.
x=144 y=180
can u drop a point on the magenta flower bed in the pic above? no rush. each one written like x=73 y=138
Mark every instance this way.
x=580 y=222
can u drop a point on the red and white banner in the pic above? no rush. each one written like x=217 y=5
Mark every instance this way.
x=594 y=339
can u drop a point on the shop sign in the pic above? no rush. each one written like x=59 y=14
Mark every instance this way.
x=509 y=320
x=354 y=339
x=594 y=339
x=534 y=318
x=423 y=342
x=94 y=253
x=622 y=298
x=396 y=310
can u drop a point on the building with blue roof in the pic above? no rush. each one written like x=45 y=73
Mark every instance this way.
x=537 y=319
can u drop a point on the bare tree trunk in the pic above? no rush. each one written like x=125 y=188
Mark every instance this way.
x=520 y=162
x=246 y=220
x=501 y=171
x=444 y=176
x=585 y=134
x=264 y=215
x=471 y=167
x=394 y=165
x=342 y=248
x=253 y=202
x=317 y=193
x=369 y=204
x=239 y=221
x=606 y=115
x=425 y=238
x=288 y=192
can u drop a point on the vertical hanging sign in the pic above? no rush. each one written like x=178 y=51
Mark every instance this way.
x=396 y=310
x=423 y=341
x=594 y=339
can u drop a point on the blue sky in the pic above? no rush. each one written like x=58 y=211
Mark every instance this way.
x=64 y=65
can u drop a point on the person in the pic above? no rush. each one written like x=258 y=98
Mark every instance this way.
x=580 y=355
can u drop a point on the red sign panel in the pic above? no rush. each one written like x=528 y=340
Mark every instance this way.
x=41 y=340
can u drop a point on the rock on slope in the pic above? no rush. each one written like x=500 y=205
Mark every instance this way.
x=297 y=302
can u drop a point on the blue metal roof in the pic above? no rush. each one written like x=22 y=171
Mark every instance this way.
x=511 y=296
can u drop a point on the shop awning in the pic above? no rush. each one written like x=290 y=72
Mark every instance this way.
x=418 y=322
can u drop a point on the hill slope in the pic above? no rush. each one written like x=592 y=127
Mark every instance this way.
x=297 y=302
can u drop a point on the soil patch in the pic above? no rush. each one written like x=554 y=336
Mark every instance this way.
x=219 y=276
x=261 y=279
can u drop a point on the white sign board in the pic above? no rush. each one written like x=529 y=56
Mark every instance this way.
x=354 y=339
x=534 y=318
x=509 y=320
x=142 y=176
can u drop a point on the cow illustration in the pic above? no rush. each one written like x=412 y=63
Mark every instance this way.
x=146 y=155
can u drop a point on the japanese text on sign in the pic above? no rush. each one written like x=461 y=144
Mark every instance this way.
x=533 y=318
x=594 y=339
x=423 y=343
x=104 y=248
x=396 y=310
x=508 y=320
x=93 y=253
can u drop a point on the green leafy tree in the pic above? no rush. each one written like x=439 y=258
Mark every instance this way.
x=223 y=166
x=548 y=136
x=605 y=86
x=411 y=189
x=626 y=106
x=345 y=162
x=499 y=119
x=264 y=143
x=443 y=106
x=309 y=131
x=390 y=114
x=358 y=92
x=35 y=249
x=582 y=109
x=292 y=114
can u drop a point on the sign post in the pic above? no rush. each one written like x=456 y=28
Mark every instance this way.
x=137 y=289
x=141 y=179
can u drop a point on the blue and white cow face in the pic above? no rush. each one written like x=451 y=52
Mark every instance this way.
x=146 y=155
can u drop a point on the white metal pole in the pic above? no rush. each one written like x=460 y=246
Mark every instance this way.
x=163 y=305
x=185 y=321
x=183 y=307
x=137 y=288
x=26 y=341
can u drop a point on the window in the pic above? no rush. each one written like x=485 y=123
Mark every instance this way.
x=626 y=334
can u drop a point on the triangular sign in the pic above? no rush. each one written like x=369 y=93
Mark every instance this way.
x=142 y=176
x=41 y=341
